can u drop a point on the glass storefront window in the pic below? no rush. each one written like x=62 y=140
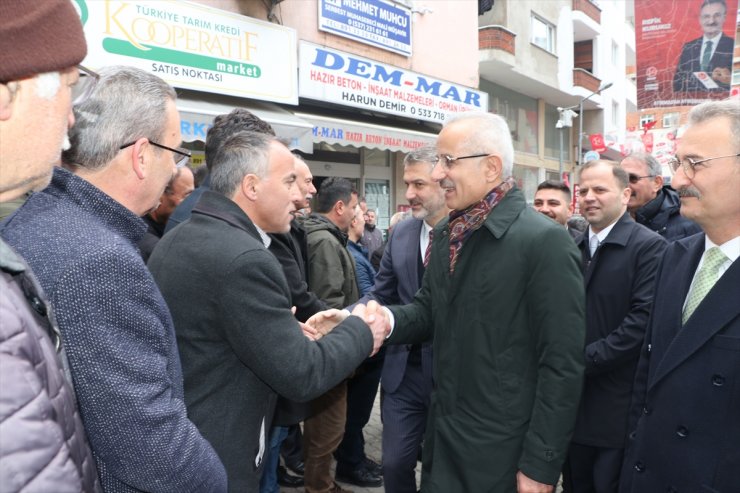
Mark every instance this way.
x=378 y=197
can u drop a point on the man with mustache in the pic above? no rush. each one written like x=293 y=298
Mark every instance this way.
x=619 y=262
x=502 y=299
x=711 y=53
x=685 y=417
x=652 y=204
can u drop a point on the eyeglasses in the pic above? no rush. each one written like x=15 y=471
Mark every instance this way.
x=634 y=178
x=179 y=162
x=689 y=165
x=447 y=160
x=85 y=86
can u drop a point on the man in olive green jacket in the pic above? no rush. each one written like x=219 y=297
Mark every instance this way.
x=503 y=300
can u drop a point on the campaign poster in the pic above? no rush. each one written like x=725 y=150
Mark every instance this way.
x=684 y=51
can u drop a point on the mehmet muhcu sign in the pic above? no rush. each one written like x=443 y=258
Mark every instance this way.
x=192 y=46
x=343 y=78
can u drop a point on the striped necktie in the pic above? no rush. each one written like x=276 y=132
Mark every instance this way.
x=428 y=251
x=704 y=281
x=706 y=56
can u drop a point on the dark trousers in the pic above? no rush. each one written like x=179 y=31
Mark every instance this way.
x=361 y=391
x=292 y=448
x=404 y=415
x=590 y=469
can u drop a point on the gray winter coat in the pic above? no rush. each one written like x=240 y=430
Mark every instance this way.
x=43 y=446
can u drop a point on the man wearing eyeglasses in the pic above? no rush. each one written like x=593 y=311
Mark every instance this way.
x=502 y=299
x=79 y=235
x=43 y=445
x=652 y=204
x=685 y=425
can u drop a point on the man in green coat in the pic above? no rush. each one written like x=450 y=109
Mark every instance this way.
x=503 y=300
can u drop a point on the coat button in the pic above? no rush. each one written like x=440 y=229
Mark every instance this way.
x=671 y=489
x=38 y=305
x=646 y=410
x=632 y=435
x=549 y=455
x=682 y=432
x=718 y=380
x=639 y=466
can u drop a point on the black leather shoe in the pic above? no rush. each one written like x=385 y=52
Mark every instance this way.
x=285 y=479
x=361 y=477
x=298 y=468
x=372 y=466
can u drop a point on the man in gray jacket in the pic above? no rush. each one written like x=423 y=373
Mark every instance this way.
x=43 y=445
x=239 y=342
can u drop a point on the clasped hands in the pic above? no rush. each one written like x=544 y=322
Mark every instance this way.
x=373 y=314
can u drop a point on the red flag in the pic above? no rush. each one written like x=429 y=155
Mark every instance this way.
x=648 y=125
x=597 y=143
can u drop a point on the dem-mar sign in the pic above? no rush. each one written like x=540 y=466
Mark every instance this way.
x=374 y=22
x=192 y=46
x=343 y=78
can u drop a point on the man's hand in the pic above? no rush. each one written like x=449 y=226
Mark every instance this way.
x=310 y=332
x=324 y=322
x=526 y=485
x=722 y=75
x=375 y=317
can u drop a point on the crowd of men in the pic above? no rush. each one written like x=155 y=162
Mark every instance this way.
x=511 y=347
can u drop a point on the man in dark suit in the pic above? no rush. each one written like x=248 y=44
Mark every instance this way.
x=239 y=342
x=711 y=53
x=686 y=404
x=407 y=373
x=620 y=258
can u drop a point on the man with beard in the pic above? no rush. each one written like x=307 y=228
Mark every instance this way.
x=406 y=377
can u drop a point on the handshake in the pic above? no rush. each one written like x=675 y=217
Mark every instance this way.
x=374 y=315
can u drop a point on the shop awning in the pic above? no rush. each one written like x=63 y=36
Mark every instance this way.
x=359 y=134
x=197 y=114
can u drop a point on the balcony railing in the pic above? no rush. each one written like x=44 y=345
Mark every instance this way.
x=588 y=8
x=584 y=78
x=497 y=38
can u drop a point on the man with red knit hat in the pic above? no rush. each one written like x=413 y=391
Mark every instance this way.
x=43 y=445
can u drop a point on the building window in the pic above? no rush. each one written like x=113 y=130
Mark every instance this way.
x=671 y=120
x=645 y=119
x=543 y=33
x=519 y=111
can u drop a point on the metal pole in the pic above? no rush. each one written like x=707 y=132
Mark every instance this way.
x=580 y=130
x=560 y=176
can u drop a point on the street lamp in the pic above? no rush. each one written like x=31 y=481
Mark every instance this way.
x=566 y=120
x=602 y=87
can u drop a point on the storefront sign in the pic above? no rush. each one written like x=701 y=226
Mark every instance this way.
x=358 y=134
x=193 y=46
x=342 y=78
x=374 y=22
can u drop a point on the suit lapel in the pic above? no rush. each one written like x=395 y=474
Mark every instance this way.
x=710 y=317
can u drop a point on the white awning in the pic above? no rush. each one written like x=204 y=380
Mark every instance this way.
x=197 y=116
x=358 y=134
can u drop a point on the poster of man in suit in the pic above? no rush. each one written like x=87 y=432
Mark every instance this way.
x=684 y=50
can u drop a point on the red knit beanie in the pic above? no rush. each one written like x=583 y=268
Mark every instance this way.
x=38 y=36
